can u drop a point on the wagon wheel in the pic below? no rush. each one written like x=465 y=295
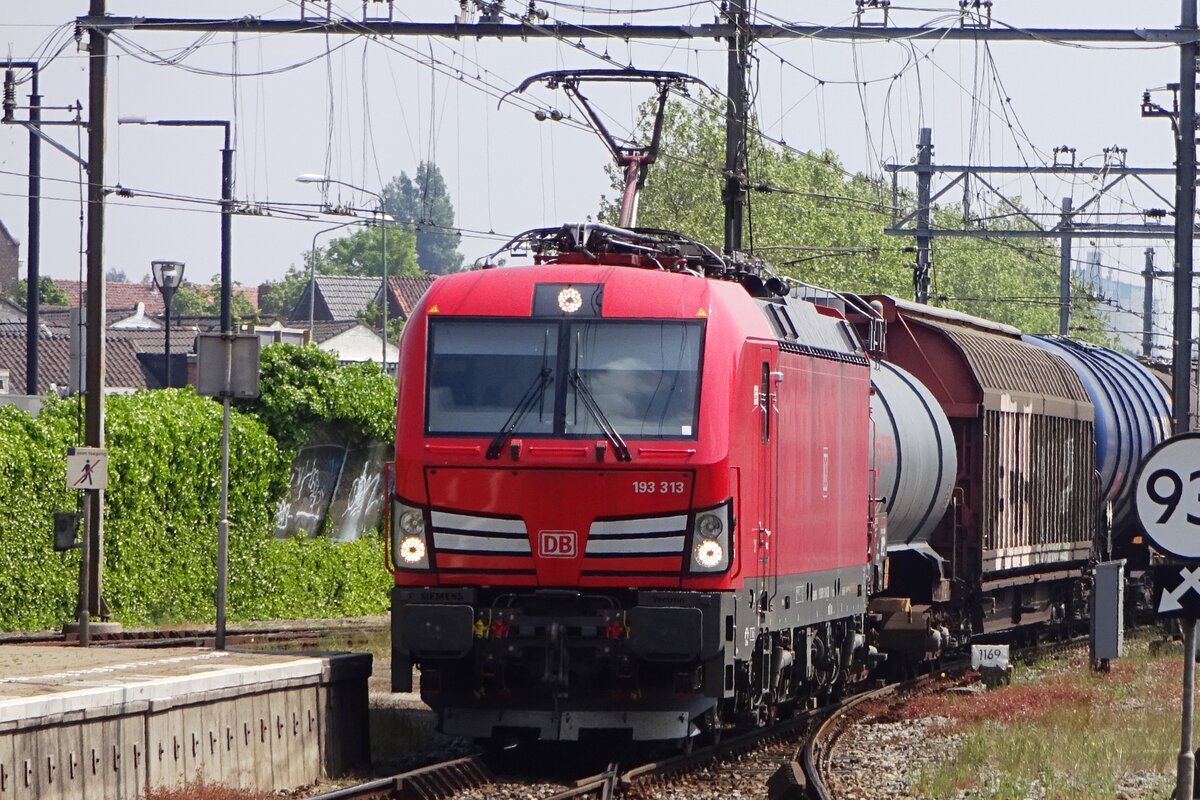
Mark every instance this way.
x=714 y=726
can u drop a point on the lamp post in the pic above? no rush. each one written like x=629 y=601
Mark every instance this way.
x=326 y=180
x=226 y=201
x=312 y=273
x=168 y=275
x=226 y=333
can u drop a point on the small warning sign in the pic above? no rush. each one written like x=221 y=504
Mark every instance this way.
x=87 y=468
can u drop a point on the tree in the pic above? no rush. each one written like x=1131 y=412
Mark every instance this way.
x=49 y=293
x=279 y=298
x=372 y=316
x=821 y=224
x=190 y=300
x=116 y=275
x=303 y=386
x=362 y=253
x=424 y=204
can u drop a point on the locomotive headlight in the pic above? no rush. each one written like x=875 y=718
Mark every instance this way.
x=711 y=540
x=411 y=522
x=410 y=544
x=709 y=525
x=570 y=300
x=412 y=550
x=709 y=553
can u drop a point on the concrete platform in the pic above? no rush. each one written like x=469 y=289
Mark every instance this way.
x=111 y=722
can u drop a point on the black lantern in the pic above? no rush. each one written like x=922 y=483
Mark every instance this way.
x=168 y=276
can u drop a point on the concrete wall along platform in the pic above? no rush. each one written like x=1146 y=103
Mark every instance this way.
x=115 y=722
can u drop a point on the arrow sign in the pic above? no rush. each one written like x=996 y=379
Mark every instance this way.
x=1190 y=583
x=1180 y=591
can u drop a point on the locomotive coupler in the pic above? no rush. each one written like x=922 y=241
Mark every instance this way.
x=555 y=673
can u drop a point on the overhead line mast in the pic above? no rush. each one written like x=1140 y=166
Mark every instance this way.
x=737 y=107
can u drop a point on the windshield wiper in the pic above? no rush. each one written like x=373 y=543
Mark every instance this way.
x=533 y=395
x=589 y=401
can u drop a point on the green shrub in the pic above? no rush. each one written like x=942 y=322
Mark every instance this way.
x=303 y=387
x=38 y=587
x=161 y=512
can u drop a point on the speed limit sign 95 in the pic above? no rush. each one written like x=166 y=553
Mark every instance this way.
x=1168 y=496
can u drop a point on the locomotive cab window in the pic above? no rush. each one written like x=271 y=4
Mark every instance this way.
x=565 y=378
x=479 y=371
x=643 y=376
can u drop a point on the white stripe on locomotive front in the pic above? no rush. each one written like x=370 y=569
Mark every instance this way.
x=457 y=541
x=611 y=527
x=668 y=546
x=462 y=522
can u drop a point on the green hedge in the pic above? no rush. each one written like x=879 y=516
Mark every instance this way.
x=38 y=587
x=161 y=521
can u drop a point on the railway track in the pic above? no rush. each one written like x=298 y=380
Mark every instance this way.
x=819 y=751
x=449 y=779
x=787 y=761
x=309 y=636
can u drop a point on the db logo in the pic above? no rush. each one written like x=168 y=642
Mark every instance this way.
x=556 y=544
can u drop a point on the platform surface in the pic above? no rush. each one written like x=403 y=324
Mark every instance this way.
x=37 y=680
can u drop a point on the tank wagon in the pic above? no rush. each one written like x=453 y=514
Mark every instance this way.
x=640 y=488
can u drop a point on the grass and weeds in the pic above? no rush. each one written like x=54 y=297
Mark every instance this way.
x=1062 y=731
x=202 y=790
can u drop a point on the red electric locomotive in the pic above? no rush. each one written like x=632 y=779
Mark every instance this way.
x=632 y=492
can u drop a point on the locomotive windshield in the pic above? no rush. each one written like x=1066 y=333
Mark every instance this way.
x=564 y=377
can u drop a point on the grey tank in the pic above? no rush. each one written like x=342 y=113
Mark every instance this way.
x=914 y=456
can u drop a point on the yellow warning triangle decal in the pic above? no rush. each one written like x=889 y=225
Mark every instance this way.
x=434 y=310
x=700 y=312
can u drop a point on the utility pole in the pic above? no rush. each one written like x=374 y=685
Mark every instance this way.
x=924 y=171
x=1148 y=305
x=1064 y=270
x=33 y=257
x=1185 y=218
x=93 y=550
x=34 y=254
x=734 y=194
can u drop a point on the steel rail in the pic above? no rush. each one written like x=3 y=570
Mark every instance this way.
x=433 y=782
x=819 y=745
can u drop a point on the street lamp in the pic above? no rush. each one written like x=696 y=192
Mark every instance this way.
x=226 y=201
x=226 y=333
x=312 y=273
x=325 y=180
x=168 y=275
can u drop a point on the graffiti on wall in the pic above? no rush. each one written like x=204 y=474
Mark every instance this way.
x=358 y=498
x=336 y=488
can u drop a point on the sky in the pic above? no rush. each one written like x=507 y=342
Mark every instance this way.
x=364 y=110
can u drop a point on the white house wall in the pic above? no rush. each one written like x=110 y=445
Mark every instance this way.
x=358 y=344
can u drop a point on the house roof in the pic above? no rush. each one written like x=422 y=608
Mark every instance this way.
x=323 y=331
x=117 y=294
x=144 y=340
x=122 y=367
x=407 y=291
x=183 y=340
x=343 y=296
x=125 y=294
x=6 y=236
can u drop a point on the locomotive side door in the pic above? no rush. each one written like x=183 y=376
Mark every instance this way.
x=766 y=562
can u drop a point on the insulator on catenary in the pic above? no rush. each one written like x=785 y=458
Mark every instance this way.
x=10 y=95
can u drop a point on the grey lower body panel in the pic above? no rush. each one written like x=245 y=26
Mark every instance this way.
x=796 y=601
x=568 y=725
